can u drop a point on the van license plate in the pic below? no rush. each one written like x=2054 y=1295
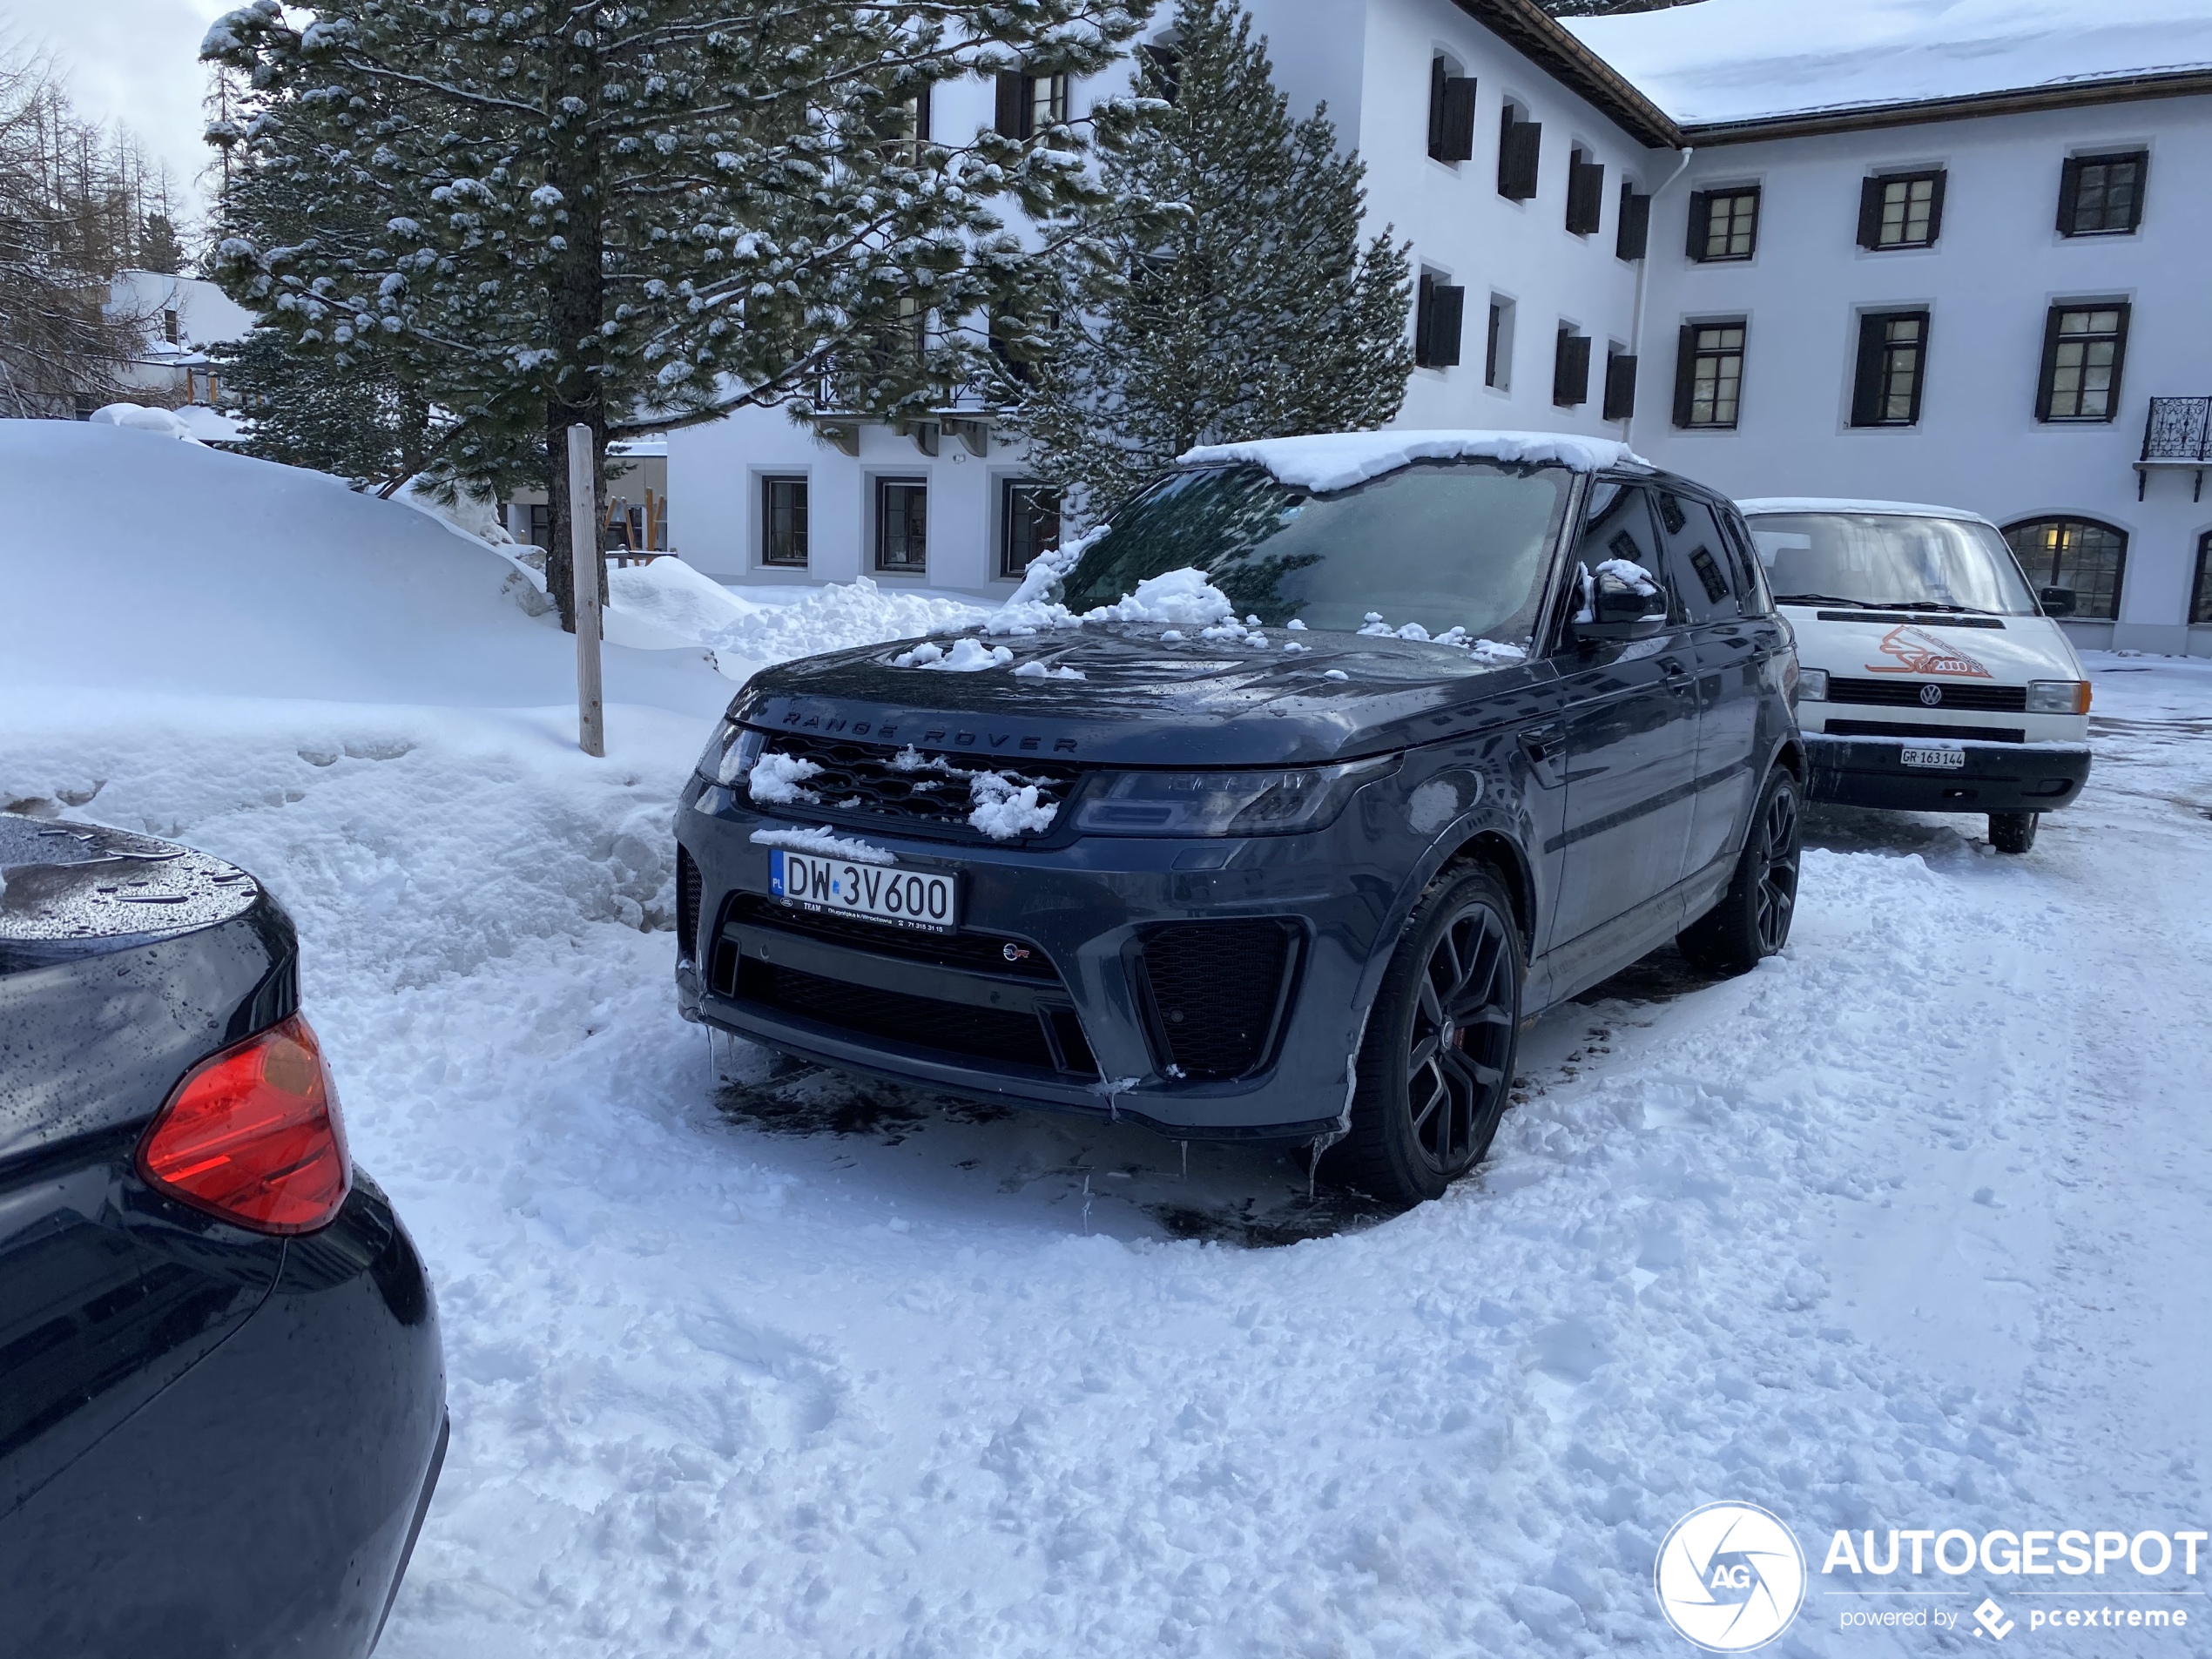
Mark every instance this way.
x=924 y=899
x=1934 y=759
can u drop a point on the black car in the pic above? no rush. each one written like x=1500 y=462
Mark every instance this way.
x=222 y=1398
x=1471 y=735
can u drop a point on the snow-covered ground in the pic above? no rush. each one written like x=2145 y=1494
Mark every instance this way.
x=1906 y=1229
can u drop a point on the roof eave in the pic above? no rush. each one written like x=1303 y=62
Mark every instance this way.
x=1966 y=107
x=1537 y=36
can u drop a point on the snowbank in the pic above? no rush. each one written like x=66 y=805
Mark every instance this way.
x=135 y=417
x=1339 y=460
x=1740 y=60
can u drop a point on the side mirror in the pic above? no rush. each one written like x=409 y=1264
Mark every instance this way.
x=1620 y=600
x=2057 y=602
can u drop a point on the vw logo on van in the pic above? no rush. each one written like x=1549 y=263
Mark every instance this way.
x=1932 y=695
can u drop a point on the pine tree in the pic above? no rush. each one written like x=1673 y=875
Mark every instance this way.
x=1217 y=287
x=354 y=419
x=636 y=214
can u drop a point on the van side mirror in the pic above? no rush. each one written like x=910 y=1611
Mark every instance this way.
x=1620 y=600
x=2057 y=602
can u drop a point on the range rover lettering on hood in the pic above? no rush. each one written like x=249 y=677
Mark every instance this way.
x=922 y=732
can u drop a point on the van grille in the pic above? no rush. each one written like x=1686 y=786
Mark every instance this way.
x=1949 y=694
x=1903 y=729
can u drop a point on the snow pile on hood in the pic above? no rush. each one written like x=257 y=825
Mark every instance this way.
x=1492 y=651
x=1184 y=598
x=1006 y=808
x=1338 y=459
x=1742 y=60
x=779 y=780
x=161 y=422
x=967 y=656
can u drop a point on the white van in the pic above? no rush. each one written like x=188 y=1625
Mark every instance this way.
x=1931 y=677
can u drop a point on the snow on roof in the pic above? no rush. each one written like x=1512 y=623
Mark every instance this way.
x=1723 y=61
x=1843 y=504
x=1339 y=460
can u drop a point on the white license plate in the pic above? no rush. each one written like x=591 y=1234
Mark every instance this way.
x=1934 y=759
x=924 y=899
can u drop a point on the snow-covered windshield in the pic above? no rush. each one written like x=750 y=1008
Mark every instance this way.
x=1459 y=544
x=1890 y=559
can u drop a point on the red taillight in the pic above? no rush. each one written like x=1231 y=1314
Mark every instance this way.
x=253 y=1135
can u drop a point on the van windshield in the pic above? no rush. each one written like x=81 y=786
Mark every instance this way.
x=1890 y=560
x=1457 y=544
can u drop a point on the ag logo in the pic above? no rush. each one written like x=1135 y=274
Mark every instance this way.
x=1730 y=1577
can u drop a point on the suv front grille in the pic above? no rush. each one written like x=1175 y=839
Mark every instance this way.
x=1215 y=993
x=688 y=896
x=1949 y=694
x=977 y=952
x=863 y=782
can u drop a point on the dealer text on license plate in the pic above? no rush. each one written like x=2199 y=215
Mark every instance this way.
x=1934 y=759
x=923 y=899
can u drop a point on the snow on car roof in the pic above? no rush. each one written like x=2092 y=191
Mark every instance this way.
x=1748 y=60
x=1843 y=504
x=1339 y=460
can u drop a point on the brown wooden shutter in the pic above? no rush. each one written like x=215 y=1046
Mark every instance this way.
x=1870 y=212
x=1459 y=118
x=2070 y=194
x=2119 y=357
x=1685 y=372
x=1935 y=208
x=1632 y=235
x=1447 y=308
x=1424 y=307
x=1620 y=386
x=1571 y=370
x=1585 y=196
x=2135 y=200
x=1701 y=223
x=1866 y=387
x=922 y=113
x=1011 y=119
x=1520 y=154
x=1920 y=367
x=1436 y=79
x=2047 y=378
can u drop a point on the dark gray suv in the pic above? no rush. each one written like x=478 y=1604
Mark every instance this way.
x=1317 y=782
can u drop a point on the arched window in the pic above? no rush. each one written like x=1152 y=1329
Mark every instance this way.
x=2080 y=554
x=2201 y=595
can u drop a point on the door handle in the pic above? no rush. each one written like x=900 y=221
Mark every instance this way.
x=1677 y=677
x=1545 y=744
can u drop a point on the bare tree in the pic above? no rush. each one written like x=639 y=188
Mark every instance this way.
x=70 y=223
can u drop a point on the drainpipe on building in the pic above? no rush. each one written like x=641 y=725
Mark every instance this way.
x=1644 y=267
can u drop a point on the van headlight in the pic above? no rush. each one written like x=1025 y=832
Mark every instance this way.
x=1812 y=685
x=730 y=752
x=1278 y=802
x=2057 y=697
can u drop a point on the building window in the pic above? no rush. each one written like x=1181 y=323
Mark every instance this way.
x=1633 y=234
x=1620 y=384
x=1570 y=368
x=1724 y=224
x=1164 y=57
x=783 y=522
x=1520 y=144
x=1585 y=193
x=1028 y=522
x=2201 y=595
x=1438 y=307
x=1497 y=348
x=2102 y=195
x=2083 y=349
x=1892 y=366
x=170 y=331
x=2078 y=556
x=1709 y=373
x=1451 y=112
x=541 y=525
x=902 y=525
x=910 y=129
x=1030 y=104
x=1901 y=210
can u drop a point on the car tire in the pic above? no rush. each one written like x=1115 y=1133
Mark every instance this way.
x=2013 y=831
x=1436 y=1061
x=1751 y=923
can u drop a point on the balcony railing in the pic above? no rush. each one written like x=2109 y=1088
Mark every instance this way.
x=2176 y=433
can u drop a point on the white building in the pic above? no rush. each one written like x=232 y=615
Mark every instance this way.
x=184 y=317
x=1522 y=165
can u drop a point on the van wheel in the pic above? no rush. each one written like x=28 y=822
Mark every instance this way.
x=1751 y=923
x=2013 y=831
x=1436 y=1064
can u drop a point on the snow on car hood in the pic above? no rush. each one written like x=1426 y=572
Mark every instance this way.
x=1916 y=645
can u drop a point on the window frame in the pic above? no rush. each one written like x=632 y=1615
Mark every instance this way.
x=1875 y=354
x=1015 y=114
x=2070 y=192
x=1873 y=208
x=2037 y=582
x=2055 y=340
x=1700 y=240
x=1011 y=487
x=1688 y=356
x=1497 y=344
x=880 y=486
x=2201 y=590
x=764 y=554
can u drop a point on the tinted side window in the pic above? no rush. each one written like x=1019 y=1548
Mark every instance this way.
x=1698 y=558
x=1754 y=597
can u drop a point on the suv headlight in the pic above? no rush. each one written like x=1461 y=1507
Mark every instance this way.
x=1278 y=802
x=2057 y=697
x=730 y=752
x=1812 y=685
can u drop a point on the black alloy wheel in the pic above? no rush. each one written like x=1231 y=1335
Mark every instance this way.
x=1751 y=923
x=1436 y=1065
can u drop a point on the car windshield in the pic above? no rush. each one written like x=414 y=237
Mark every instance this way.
x=1881 y=559
x=1459 y=544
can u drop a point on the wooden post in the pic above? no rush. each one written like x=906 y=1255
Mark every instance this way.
x=584 y=556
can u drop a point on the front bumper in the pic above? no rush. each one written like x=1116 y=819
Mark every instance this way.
x=1989 y=776
x=1313 y=906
